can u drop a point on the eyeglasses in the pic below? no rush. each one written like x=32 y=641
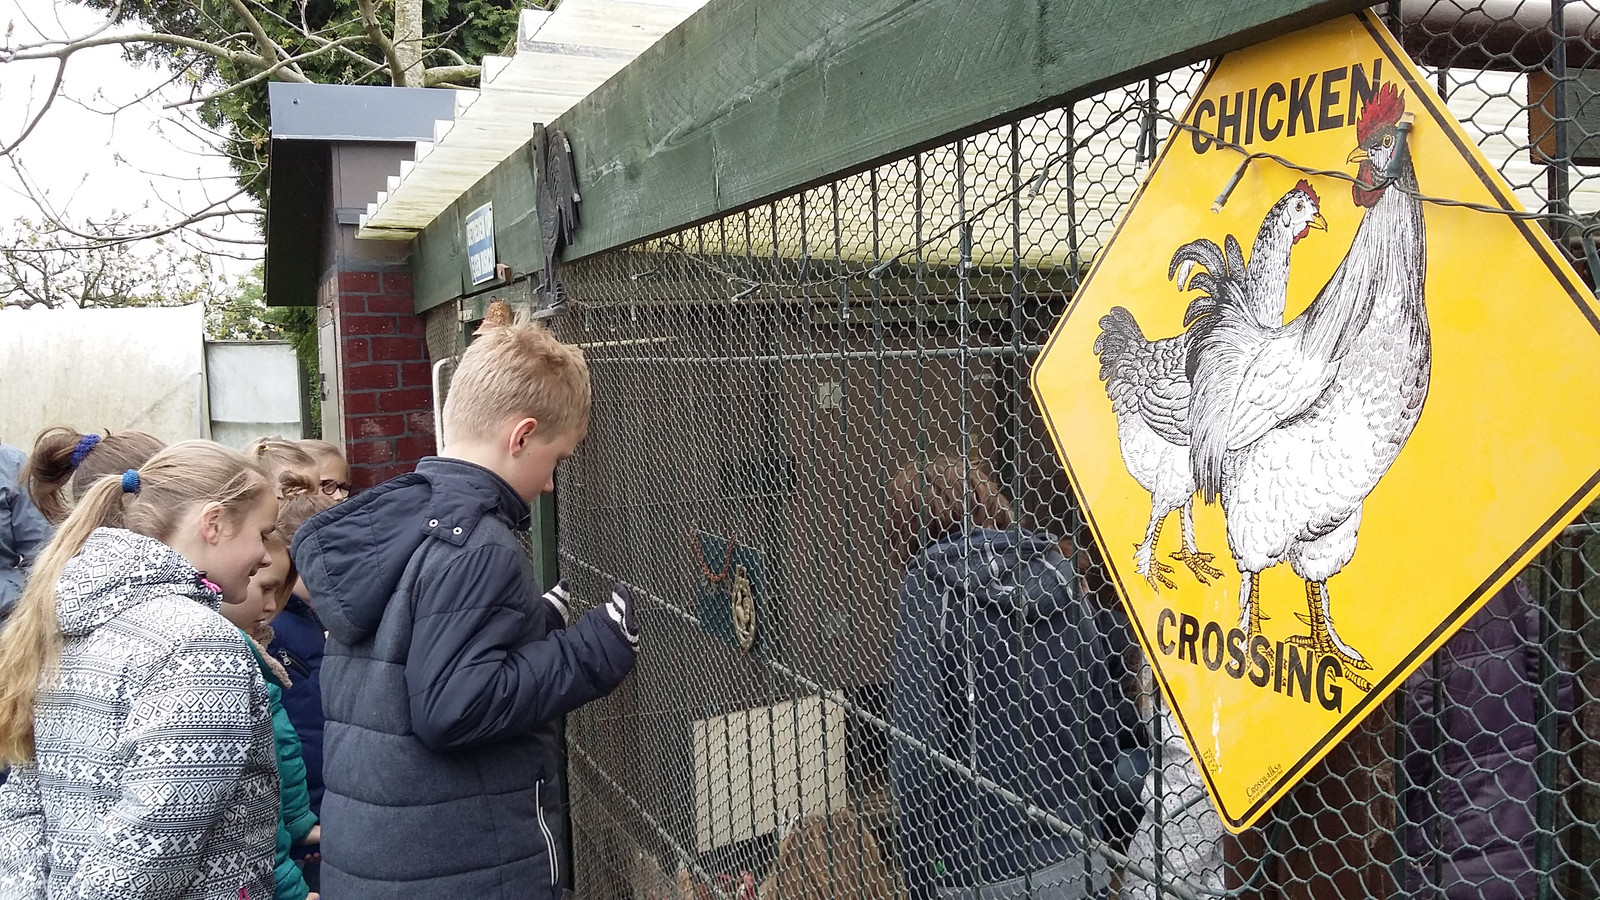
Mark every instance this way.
x=335 y=488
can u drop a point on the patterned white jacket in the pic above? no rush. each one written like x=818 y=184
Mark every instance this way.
x=155 y=774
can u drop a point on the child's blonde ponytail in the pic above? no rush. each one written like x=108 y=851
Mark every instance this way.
x=31 y=640
x=171 y=483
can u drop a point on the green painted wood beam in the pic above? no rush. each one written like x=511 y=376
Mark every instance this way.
x=439 y=253
x=750 y=100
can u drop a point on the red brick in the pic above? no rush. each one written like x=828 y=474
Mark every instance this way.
x=352 y=304
x=368 y=324
x=405 y=400
x=416 y=374
x=371 y=377
x=363 y=477
x=366 y=453
x=412 y=325
x=397 y=283
x=391 y=304
x=358 y=282
x=413 y=447
x=355 y=351
x=420 y=422
x=398 y=469
x=360 y=427
x=398 y=349
x=360 y=403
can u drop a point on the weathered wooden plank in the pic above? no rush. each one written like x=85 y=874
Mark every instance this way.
x=438 y=261
x=751 y=99
x=516 y=213
x=438 y=254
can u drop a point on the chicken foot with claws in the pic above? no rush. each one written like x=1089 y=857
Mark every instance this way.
x=1250 y=615
x=1323 y=639
x=1145 y=562
x=1189 y=554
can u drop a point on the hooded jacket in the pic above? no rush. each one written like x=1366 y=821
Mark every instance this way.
x=1472 y=781
x=154 y=774
x=1000 y=665
x=295 y=819
x=297 y=643
x=23 y=529
x=444 y=677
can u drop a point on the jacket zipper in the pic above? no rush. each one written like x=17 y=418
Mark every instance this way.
x=549 y=838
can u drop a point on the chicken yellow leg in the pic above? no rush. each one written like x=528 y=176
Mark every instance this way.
x=1147 y=564
x=1189 y=554
x=1250 y=616
x=1323 y=640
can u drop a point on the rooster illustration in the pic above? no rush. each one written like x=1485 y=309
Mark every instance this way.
x=1149 y=386
x=1294 y=425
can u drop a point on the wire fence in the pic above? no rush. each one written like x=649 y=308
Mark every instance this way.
x=813 y=417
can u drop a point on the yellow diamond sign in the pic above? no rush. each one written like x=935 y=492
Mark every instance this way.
x=1317 y=429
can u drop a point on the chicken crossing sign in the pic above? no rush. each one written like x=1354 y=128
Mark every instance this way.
x=1316 y=429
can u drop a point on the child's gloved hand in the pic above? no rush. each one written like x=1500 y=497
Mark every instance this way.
x=620 y=609
x=558 y=598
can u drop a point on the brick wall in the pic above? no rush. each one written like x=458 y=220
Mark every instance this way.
x=383 y=353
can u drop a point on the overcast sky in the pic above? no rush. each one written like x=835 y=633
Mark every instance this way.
x=90 y=164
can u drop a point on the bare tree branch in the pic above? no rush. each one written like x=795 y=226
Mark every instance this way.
x=177 y=75
x=316 y=37
x=266 y=74
x=65 y=48
x=270 y=51
x=460 y=60
x=369 y=18
x=442 y=75
x=50 y=99
x=94 y=241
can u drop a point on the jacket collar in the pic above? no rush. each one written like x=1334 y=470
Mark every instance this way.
x=463 y=493
x=117 y=570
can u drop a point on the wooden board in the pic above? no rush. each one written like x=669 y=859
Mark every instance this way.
x=750 y=99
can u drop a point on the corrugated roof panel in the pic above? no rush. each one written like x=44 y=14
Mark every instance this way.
x=561 y=57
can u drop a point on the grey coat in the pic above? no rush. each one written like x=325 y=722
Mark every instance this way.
x=23 y=530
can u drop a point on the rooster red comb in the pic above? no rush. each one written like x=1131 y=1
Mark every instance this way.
x=1382 y=111
x=1304 y=187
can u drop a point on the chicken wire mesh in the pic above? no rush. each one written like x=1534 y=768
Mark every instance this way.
x=809 y=414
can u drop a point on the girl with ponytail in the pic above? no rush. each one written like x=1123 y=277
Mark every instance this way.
x=134 y=717
x=65 y=464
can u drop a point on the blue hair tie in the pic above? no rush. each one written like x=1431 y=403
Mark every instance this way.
x=85 y=444
x=130 y=481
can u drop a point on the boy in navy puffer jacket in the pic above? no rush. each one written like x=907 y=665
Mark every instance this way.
x=445 y=673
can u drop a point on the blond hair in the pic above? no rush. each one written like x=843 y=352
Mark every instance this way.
x=171 y=484
x=279 y=457
x=516 y=372
x=317 y=447
x=300 y=499
x=52 y=481
x=828 y=857
x=929 y=500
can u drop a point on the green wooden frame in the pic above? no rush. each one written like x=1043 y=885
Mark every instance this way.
x=750 y=100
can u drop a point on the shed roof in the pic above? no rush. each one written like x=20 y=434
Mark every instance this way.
x=560 y=57
x=305 y=120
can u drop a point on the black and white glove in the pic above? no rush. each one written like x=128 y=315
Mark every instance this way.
x=620 y=609
x=560 y=601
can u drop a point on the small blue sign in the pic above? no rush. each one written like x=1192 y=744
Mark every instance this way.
x=480 y=243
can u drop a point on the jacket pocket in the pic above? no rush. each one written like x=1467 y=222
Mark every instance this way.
x=549 y=836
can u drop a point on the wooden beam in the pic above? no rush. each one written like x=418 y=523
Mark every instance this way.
x=750 y=100
x=439 y=253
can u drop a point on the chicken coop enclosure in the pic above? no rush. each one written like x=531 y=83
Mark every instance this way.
x=783 y=395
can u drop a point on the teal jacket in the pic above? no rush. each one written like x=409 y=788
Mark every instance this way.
x=295 y=819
